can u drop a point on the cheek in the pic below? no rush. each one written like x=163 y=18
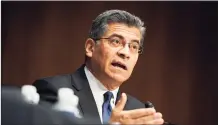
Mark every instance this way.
x=103 y=55
x=107 y=56
x=133 y=63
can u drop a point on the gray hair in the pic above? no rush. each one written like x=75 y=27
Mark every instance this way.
x=100 y=24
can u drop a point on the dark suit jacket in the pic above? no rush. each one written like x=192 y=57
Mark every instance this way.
x=15 y=111
x=48 y=87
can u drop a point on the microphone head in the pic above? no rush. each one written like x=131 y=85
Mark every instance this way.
x=30 y=94
x=149 y=105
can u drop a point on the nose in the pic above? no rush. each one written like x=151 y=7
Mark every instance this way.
x=124 y=52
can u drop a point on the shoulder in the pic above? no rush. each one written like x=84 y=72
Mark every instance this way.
x=53 y=83
x=134 y=103
x=48 y=87
x=56 y=78
x=63 y=80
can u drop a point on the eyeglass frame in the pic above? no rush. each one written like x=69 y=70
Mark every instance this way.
x=140 y=50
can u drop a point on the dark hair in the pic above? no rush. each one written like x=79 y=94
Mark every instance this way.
x=99 y=25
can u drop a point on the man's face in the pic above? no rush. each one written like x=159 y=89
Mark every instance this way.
x=111 y=62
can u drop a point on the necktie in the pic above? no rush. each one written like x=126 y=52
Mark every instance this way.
x=106 y=107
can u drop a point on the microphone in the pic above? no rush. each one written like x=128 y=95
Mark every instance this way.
x=150 y=105
x=30 y=94
x=67 y=102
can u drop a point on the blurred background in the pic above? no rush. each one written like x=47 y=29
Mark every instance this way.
x=177 y=71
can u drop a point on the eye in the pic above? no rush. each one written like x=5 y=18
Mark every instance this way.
x=115 y=41
x=134 y=46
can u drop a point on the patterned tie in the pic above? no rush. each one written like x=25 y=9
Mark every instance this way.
x=106 y=107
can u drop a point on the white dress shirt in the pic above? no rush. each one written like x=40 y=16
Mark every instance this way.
x=98 y=90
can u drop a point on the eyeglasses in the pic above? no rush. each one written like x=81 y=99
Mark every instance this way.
x=118 y=42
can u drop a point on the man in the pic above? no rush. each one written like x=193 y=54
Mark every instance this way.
x=112 y=50
x=16 y=111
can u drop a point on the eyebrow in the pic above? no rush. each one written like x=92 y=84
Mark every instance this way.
x=116 y=35
x=120 y=36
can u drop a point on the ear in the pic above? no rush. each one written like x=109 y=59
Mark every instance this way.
x=89 y=47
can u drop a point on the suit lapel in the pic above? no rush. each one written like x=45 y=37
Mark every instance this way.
x=86 y=100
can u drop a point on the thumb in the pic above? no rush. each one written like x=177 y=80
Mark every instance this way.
x=121 y=103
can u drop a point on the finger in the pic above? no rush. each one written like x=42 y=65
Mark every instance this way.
x=138 y=113
x=121 y=103
x=155 y=122
x=151 y=117
x=159 y=121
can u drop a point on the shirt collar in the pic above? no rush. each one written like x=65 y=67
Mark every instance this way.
x=96 y=86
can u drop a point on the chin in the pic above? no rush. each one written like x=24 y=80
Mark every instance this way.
x=119 y=78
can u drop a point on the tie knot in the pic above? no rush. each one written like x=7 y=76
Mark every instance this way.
x=108 y=95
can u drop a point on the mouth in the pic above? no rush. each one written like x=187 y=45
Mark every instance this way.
x=119 y=65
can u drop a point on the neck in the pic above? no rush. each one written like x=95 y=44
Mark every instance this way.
x=108 y=82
